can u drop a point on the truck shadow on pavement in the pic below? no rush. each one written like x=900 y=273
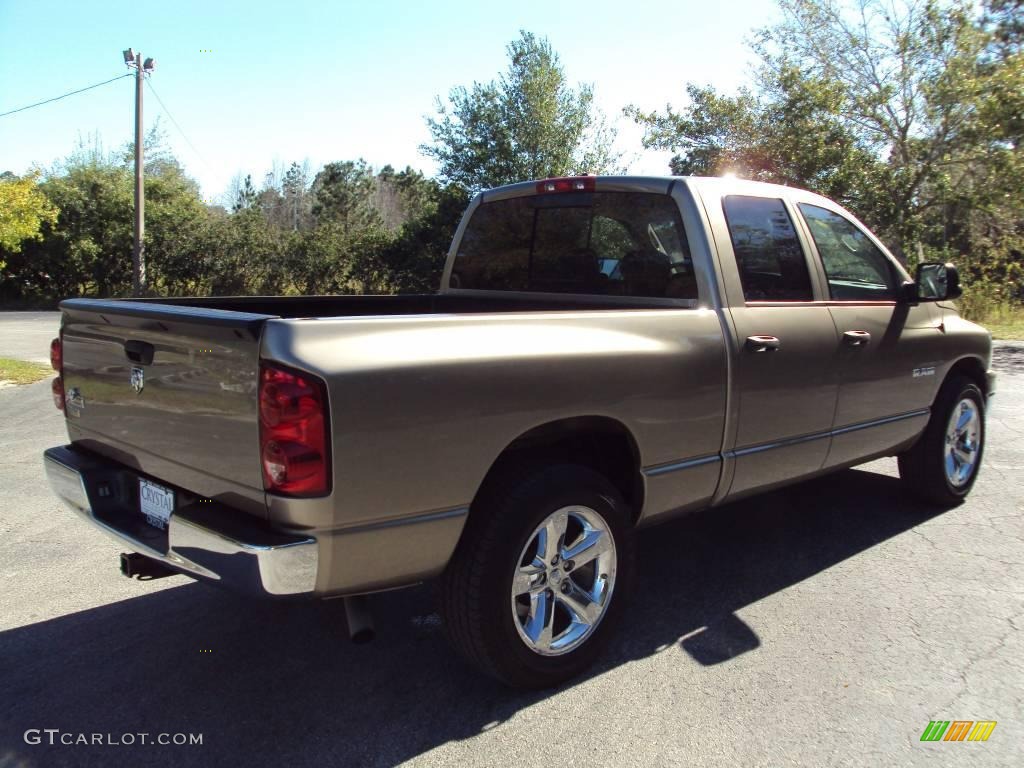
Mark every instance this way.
x=279 y=684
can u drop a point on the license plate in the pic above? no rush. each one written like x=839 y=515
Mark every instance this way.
x=156 y=503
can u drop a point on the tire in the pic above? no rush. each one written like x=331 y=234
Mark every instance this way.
x=934 y=468
x=500 y=551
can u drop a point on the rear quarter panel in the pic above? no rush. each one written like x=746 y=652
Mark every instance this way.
x=422 y=406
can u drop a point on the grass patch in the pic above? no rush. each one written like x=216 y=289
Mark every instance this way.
x=1004 y=322
x=1009 y=330
x=21 y=372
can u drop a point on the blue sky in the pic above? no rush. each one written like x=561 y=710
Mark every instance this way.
x=299 y=80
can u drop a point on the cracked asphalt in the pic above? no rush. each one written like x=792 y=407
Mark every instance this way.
x=824 y=624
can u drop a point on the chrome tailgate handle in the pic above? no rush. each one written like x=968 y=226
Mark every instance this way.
x=139 y=351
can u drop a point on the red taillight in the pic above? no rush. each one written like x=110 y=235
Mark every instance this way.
x=568 y=184
x=56 y=354
x=57 y=363
x=57 y=388
x=293 y=432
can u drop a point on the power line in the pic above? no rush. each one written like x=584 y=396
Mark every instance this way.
x=58 y=98
x=175 y=122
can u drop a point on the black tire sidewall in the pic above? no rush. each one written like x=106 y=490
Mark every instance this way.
x=521 y=513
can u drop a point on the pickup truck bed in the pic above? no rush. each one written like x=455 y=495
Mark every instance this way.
x=408 y=388
x=401 y=304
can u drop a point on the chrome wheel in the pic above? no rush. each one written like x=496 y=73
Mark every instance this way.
x=564 y=580
x=962 y=444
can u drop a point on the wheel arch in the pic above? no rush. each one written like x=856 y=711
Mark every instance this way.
x=601 y=443
x=972 y=368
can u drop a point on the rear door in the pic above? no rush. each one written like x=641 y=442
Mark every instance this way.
x=785 y=380
x=170 y=391
x=889 y=350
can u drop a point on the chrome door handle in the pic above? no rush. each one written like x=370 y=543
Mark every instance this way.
x=763 y=344
x=856 y=338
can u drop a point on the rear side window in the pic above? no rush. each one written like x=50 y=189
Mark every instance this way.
x=601 y=243
x=856 y=269
x=769 y=257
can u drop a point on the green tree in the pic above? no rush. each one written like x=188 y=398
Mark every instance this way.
x=372 y=231
x=403 y=196
x=413 y=261
x=244 y=196
x=1005 y=19
x=176 y=225
x=890 y=107
x=343 y=195
x=24 y=209
x=89 y=249
x=297 y=203
x=529 y=123
x=788 y=132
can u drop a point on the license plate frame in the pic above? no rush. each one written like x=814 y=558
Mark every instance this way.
x=156 y=503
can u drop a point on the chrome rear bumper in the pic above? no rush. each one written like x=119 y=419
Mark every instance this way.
x=205 y=540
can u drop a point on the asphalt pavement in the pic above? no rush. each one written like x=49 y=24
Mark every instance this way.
x=27 y=335
x=825 y=624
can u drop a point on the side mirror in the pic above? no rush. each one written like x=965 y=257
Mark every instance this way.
x=936 y=282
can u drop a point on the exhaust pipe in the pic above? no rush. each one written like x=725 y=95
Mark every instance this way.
x=359 y=618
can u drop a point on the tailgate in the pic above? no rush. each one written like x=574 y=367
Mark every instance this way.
x=168 y=390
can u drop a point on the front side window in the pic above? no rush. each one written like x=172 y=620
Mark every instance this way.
x=856 y=269
x=771 y=262
x=603 y=243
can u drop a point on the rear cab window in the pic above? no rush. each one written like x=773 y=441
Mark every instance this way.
x=596 y=243
x=769 y=257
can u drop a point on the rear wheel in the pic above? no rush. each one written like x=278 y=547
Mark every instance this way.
x=540 y=576
x=942 y=466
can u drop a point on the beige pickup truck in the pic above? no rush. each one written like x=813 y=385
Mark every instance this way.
x=604 y=353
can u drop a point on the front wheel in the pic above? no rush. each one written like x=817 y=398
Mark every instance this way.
x=540 y=576
x=942 y=466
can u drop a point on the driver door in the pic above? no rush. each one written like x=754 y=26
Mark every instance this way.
x=889 y=349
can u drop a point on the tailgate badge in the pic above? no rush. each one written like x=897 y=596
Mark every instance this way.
x=74 y=403
x=138 y=380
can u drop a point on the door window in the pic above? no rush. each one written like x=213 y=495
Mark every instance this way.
x=771 y=262
x=856 y=269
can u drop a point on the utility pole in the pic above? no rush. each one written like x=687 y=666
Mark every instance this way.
x=142 y=68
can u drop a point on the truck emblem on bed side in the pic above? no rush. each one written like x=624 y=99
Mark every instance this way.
x=138 y=380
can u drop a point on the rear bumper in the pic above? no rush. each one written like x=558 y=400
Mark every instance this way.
x=204 y=539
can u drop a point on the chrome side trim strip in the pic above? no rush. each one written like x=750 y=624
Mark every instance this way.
x=831 y=433
x=879 y=422
x=736 y=453
x=675 y=466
